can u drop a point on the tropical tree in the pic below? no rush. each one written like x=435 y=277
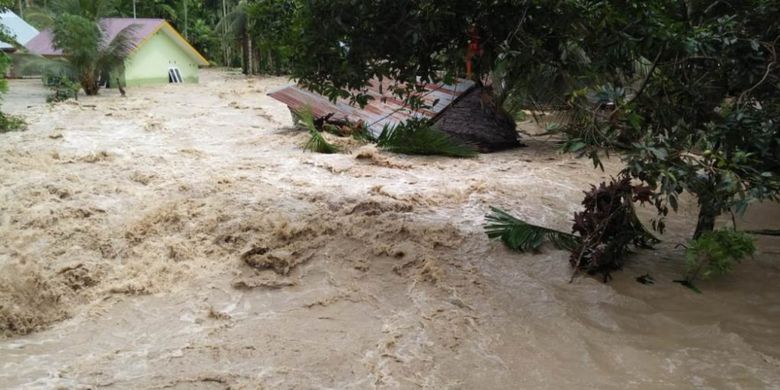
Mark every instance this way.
x=88 y=51
x=237 y=25
x=274 y=29
x=686 y=92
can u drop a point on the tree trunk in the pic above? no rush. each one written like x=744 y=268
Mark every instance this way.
x=251 y=57
x=258 y=61
x=224 y=35
x=245 y=51
x=707 y=214
x=90 y=85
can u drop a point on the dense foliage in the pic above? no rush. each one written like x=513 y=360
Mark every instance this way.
x=687 y=92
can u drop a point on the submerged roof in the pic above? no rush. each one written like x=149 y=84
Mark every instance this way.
x=22 y=31
x=384 y=109
x=43 y=43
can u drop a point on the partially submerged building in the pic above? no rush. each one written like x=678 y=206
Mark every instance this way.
x=462 y=110
x=161 y=55
x=18 y=29
x=21 y=32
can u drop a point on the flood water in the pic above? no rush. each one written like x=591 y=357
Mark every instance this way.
x=127 y=226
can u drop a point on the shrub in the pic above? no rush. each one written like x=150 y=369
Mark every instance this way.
x=62 y=88
x=10 y=123
x=715 y=253
x=417 y=136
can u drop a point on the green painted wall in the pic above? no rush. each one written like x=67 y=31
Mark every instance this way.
x=150 y=63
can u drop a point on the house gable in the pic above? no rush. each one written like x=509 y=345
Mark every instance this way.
x=145 y=30
x=154 y=56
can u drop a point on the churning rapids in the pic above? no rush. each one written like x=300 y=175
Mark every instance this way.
x=128 y=227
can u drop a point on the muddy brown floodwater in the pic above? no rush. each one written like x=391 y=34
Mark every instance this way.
x=179 y=238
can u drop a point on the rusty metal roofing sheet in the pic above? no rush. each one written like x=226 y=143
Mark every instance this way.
x=384 y=109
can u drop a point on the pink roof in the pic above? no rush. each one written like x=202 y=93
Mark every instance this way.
x=42 y=43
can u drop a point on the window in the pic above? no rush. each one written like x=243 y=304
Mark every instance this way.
x=174 y=75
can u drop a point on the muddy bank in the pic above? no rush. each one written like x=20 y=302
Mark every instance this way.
x=179 y=238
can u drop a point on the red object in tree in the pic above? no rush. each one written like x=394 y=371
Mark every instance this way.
x=474 y=50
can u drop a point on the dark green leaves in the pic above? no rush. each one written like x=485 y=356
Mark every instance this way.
x=522 y=236
x=417 y=136
x=715 y=253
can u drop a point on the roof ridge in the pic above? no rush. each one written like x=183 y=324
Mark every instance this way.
x=131 y=18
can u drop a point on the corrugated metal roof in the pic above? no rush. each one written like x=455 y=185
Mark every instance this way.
x=384 y=109
x=18 y=28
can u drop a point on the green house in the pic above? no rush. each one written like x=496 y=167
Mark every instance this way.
x=161 y=55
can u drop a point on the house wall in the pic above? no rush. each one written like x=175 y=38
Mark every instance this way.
x=150 y=62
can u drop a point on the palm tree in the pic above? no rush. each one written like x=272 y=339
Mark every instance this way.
x=88 y=51
x=237 y=25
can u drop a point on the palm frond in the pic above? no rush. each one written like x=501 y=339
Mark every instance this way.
x=419 y=137
x=522 y=236
x=112 y=54
x=316 y=143
x=236 y=21
x=40 y=17
x=167 y=11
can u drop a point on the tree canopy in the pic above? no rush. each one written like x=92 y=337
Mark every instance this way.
x=686 y=92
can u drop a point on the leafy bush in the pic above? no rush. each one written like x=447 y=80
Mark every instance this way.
x=10 y=123
x=62 y=88
x=715 y=253
x=417 y=136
